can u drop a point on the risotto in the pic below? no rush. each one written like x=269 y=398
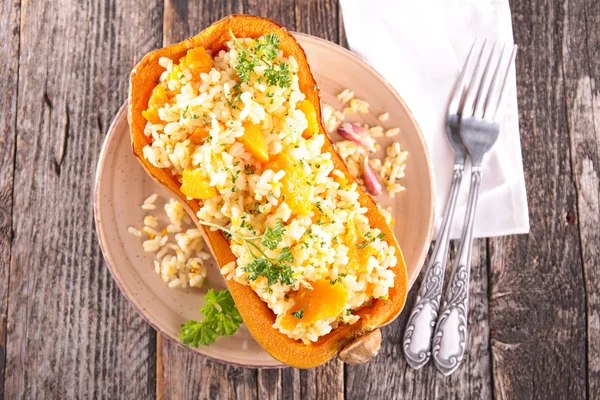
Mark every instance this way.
x=237 y=132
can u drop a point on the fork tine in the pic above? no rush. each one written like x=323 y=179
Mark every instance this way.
x=495 y=101
x=487 y=80
x=472 y=90
x=460 y=83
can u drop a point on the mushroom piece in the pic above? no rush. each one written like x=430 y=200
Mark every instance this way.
x=362 y=349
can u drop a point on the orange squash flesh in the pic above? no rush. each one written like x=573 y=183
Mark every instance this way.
x=297 y=198
x=323 y=301
x=254 y=141
x=311 y=116
x=256 y=314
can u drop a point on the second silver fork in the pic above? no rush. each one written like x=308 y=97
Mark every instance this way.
x=419 y=329
x=481 y=115
x=474 y=122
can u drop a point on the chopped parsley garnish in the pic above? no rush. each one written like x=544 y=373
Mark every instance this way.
x=286 y=255
x=320 y=207
x=273 y=235
x=265 y=53
x=279 y=75
x=369 y=240
x=231 y=104
x=274 y=272
x=221 y=318
x=248 y=170
x=274 y=269
x=298 y=314
x=269 y=48
x=338 y=279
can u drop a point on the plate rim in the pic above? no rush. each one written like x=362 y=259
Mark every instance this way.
x=103 y=241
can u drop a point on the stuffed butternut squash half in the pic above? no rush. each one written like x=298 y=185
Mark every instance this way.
x=230 y=121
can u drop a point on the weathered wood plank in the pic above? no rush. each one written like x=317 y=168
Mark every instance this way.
x=70 y=332
x=537 y=301
x=182 y=373
x=10 y=17
x=183 y=18
x=320 y=18
x=389 y=377
x=582 y=76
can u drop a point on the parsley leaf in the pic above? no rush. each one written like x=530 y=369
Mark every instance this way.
x=221 y=318
x=369 y=239
x=269 y=48
x=265 y=52
x=279 y=75
x=245 y=66
x=273 y=235
x=248 y=170
x=274 y=273
x=274 y=269
x=285 y=255
x=298 y=314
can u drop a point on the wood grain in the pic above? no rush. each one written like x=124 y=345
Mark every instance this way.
x=187 y=375
x=70 y=332
x=582 y=74
x=9 y=52
x=537 y=301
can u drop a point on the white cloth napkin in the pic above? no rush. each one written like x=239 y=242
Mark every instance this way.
x=420 y=47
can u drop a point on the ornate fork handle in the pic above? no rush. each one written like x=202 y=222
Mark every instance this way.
x=417 y=336
x=449 y=340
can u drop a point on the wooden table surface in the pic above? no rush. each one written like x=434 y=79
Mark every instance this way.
x=67 y=332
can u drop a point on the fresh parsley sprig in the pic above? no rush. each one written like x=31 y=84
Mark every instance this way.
x=276 y=73
x=221 y=318
x=274 y=269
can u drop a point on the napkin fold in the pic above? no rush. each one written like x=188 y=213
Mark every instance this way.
x=420 y=48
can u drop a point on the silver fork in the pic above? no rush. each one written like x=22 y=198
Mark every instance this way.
x=479 y=128
x=419 y=330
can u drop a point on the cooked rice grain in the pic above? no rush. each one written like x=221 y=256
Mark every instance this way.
x=179 y=259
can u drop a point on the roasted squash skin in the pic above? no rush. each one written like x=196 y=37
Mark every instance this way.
x=256 y=314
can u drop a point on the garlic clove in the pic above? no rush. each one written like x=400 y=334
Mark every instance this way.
x=371 y=179
x=356 y=134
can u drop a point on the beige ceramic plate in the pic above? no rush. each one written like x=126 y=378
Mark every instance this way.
x=122 y=185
